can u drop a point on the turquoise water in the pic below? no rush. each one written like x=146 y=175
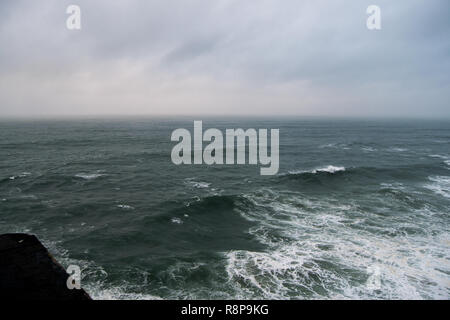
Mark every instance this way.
x=359 y=209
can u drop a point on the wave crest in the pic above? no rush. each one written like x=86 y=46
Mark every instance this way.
x=327 y=169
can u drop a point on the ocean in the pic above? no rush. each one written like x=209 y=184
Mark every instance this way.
x=358 y=210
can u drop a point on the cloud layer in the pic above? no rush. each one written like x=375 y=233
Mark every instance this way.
x=225 y=57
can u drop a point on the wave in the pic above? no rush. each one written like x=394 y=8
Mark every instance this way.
x=397 y=149
x=446 y=159
x=14 y=177
x=348 y=146
x=440 y=185
x=323 y=248
x=310 y=247
x=94 y=277
x=328 y=169
x=318 y=176
x=125 y=207
x=116 y=293
x=361 y=146
x=342 y=146
x=89 y=176
x=176 y=221
x=362 y=174
x=438 y=156
x=197 y=184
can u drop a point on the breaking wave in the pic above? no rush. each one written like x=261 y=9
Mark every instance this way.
x=319 y=248
x=327 y=169
x=89 y=176
x=440 y=185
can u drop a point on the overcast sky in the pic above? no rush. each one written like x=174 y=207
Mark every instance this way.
x=252 y=57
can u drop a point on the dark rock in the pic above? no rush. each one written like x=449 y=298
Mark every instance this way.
x=29 y=272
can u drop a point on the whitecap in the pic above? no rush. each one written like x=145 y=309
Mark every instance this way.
x=329 y=145
x=197 y=184
x=335 y=146
x=394 y=186
x=24 y=174
x=98 y=292
x=125 y=206
x=97 y=286
x=176 y=220
x=318 y=254
x=89 y=176
x=201 y=185
x=329 y=169
x=21 y=175
x=439 y=156
x=29 y=196
x=440 y=185
x=397 y=149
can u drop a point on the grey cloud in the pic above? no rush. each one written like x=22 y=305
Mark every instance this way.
x=190 y=50
x=177 y=56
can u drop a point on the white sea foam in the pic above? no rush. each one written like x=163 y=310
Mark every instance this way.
x=89 y=176
x=443 y=157
x=194 y=199
x=440 y=185
x=28 y=196
x=325 y=249
x=125 y=206
x=397 y=149
x=396 y=186
x=176 y=220
x=201 y=185
x=328 y=145
x=22 y=175
x=197 y=184
x=328 y=169
x=116 y=293
x=342 y=146
x=96 y=284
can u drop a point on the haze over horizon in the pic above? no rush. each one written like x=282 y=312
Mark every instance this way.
x=225 y=57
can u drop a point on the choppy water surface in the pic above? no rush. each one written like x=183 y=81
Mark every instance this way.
x=359 y=209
